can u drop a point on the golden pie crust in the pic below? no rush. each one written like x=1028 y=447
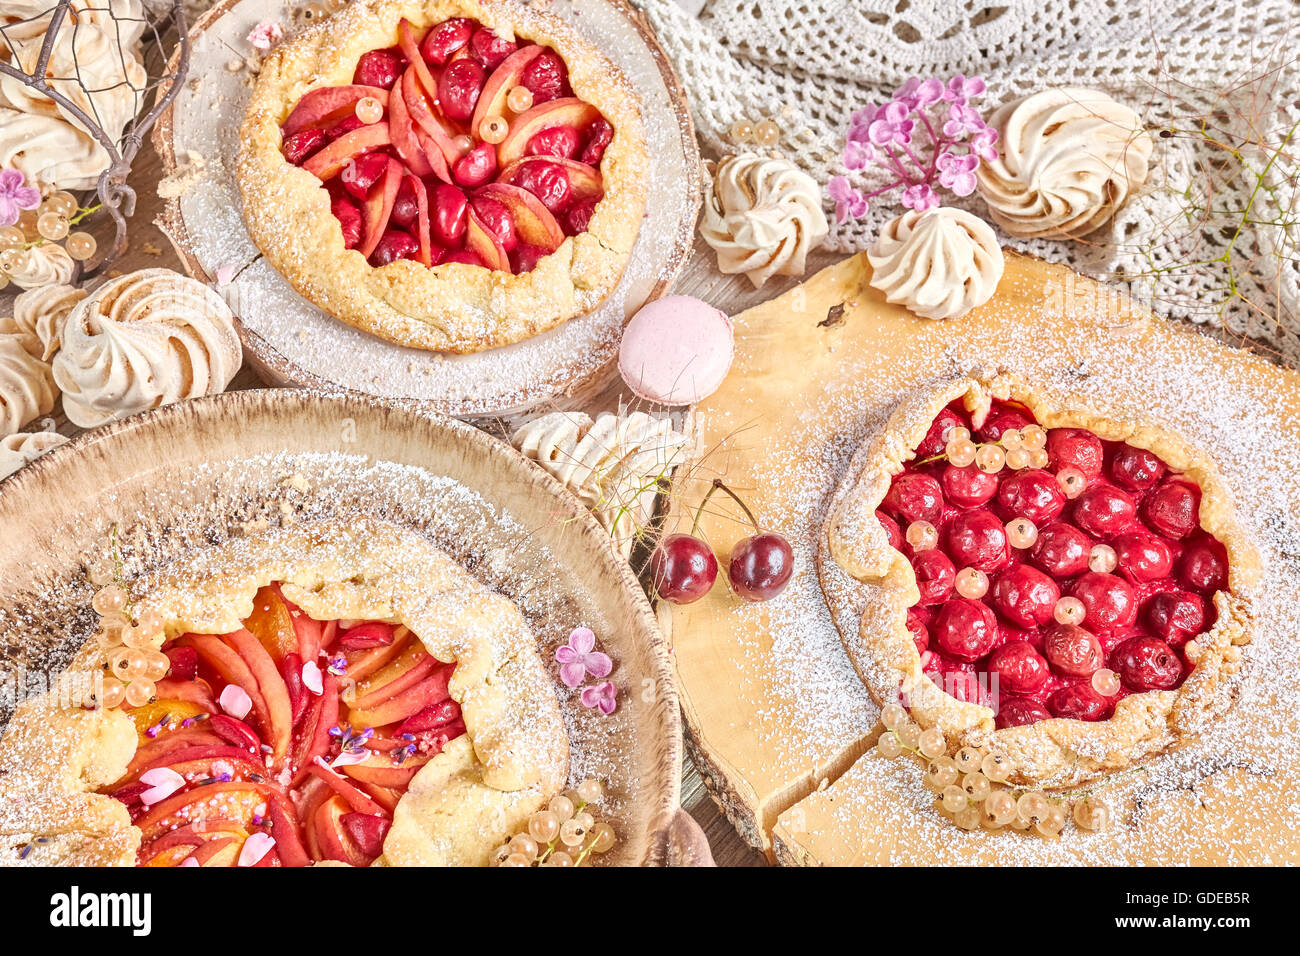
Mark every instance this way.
x=1056 y=751
x=453 y=307
x=461 y=805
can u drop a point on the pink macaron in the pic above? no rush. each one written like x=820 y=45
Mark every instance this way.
x=676 y=350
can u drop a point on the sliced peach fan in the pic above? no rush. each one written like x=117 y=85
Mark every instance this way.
x=455 y=145
x=287 y=742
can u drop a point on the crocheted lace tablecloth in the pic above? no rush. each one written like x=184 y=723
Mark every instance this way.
x=1212 y=237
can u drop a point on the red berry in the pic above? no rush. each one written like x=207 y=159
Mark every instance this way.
x=893 y=534
x=1075 y=448
x=914 y=497
x=977 y=539
x=344 y=126
x=380 y=68
x=578 y=217
x=1147 y=663
x=934 y=576
x=184 y=663
x=299 y=147
x=1143 y=556
x=1135 y=468
x=489 y=49
x=967 y=487
x=465 y=256
x=525 y=258
x=965 y=629
x=549 y=182
x=448 y=214
x=1072 y=651
x=1173 y=509
x=349 y=217
x=761 y=566
x=682 y=568
x=916 y=627
x=559 y=141
x=599 y=135
x=446 y=38
x=1020 y=668
x=933 y=443
x=360 y=174
x=1000 y=419
x=459 y=88
x=476 y=167
x=1104 y=510
x=1020 y=712
x=1204 y=566
x=1033 y=494
x=547 y=78
x=1177 y=616
x=1061 y=550
x=1079 y=702
x=394 y=244
x=956 y=678
x=1025 y=596
x=498 y=220
x=406 y=209
x=1108 y=601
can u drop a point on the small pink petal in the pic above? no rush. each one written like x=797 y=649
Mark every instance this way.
x=582 y=640
x=602 y=696
x=225 y=274
x=598 y=664
x=311 y=678
x=573 y=673
x=567 y=655
x=255 y=847
x=346 y=759
x=235 y=701
x=189 y=861
x=163 y=782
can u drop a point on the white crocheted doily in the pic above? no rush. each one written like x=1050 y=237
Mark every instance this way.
x=809 y=63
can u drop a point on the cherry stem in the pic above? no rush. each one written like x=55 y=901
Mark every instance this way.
x=720 y=485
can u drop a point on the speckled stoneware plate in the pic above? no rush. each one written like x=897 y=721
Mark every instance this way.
x=193 y=475
x=290 y=341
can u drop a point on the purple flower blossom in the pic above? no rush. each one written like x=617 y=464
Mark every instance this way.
x=960 y=89
x=349 y=742
x=920 y=197
x=580 y=658
x=849 y=202
x=961 y=121
x=957 y=172
x=15 y=196
x=858 y=155
x=603 y=697
x=984 y=144
x=919 y=93
x=891 y=125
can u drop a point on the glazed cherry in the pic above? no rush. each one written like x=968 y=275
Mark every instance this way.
x=933 y=443
x=1104 y=510
x=1002 y=418
x=349 y=217
x=934 y=576
x=965 y=629
x=1061 y=550
x=459 y=88
x=914 y=497
x=1079 y=702
x=1204 y=566
x=967 y=487
x=562 y=141
x=682 y=569
x=1143 y=556
x=464 y=256
x=1032 y=494
x=957 y=679
x=489 y=49
x=977 y=539
x=1176 y=616
x=525 y=257
x=546 y=77
x=1072 y=651
x=1075 y=448
x=362 y=173
x=476 y=167
x=1019 y=712
x=599 y=135
x=394 y=244
x=577 y=218
x=1173 y=509
x=380 y=68
x=299 y=147
x=1025 y=596
x=549 y=182
x=498 y=221
x=1020 y=669
x=1135 y=468
x=916 y=627
x=761 y=566
x=893 y=534
x=445 y=39
x=449 y=213
x=1108 y=601
x=1146 y=663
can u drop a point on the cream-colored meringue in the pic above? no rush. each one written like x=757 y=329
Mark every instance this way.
x=1067 y=160
x=26 y=385
x=937 y=264
x=29 y=19
x=20 y=449
x=761 y=216
x=613 y=464
x=143 y=340
x=49 y=150
x=46 y=264
x=38 y=318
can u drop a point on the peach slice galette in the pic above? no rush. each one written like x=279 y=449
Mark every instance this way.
x=1063 y=589
x=451 y=175
x=333 y=694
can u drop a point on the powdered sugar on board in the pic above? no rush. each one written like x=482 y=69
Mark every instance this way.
x=299 y=342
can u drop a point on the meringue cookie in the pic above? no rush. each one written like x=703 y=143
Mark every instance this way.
x=49 y=149
x=38 y=317
x=1067 y=160
x=761 y=216
x=20 y=449
x=26 y=386
x=937 y=264
x=143 y=340
x=676 y=350
x=46 y=264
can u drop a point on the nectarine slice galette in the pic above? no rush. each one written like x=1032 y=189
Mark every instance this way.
x=334 y=693
x=1063 y=589
x=448 y=174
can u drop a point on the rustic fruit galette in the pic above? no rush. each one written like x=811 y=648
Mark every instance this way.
x=1063 y=589
x=343 y=694
x=449 y=174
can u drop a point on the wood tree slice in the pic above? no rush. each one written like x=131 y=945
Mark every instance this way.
x=776 y=716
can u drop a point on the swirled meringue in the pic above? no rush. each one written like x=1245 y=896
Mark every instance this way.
x=937 y=264
x=761 y=216
x=50 y=150
x=143 y=340
x=46 y=264
x=26 y=386
x=19 y=449
x=1067 y=160
x=38 y=318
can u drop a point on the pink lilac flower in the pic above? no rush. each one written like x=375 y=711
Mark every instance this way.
x=15 y=196
x=920 y=93
x=579 y=658
x=849 y=202
x=957 y=172
x=984 y=144
x=891 y=125
x=960 y=89
x=919 y=197
x=962 y=120
x=603 y=697
x=862 y=117
x=265 y=35
x=858 y=155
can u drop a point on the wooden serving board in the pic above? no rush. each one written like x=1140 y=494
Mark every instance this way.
x=777 y=719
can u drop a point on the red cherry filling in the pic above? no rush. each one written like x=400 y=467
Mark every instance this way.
x=252 y=755
x=444 y=117
x=1165 y=570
